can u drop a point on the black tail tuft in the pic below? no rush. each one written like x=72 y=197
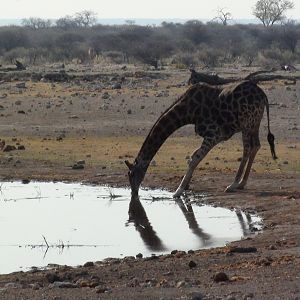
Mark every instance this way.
x=271 y=140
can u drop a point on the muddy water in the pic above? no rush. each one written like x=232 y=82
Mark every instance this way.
x=70 y=224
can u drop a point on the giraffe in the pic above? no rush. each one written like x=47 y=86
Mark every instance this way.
x=217 y=113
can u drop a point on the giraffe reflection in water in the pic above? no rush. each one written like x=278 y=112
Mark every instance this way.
x=245 y=225
x=189 y=215
x=138 y=216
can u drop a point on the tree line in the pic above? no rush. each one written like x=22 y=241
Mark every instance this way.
x=80 y=39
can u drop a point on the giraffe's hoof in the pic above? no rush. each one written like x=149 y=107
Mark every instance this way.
x=240 y=187
x=230 y=189
x=177 y=194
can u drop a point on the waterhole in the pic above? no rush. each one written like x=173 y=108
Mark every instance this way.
x=69 y=224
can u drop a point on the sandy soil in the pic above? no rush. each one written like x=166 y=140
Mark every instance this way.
x=96 y=121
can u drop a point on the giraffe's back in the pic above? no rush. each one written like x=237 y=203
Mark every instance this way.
x=223 y=112
x=247 y=102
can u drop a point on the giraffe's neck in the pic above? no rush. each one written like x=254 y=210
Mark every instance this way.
x=175 y=117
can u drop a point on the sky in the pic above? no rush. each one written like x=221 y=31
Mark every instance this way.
x=132 y=9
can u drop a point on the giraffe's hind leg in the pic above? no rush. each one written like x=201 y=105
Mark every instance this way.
x=255 y=147
x=246 y=153
x=197 y=156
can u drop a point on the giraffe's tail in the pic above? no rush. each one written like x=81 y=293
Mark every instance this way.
x=271 y=137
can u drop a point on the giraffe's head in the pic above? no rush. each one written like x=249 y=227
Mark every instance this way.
x=136 y=175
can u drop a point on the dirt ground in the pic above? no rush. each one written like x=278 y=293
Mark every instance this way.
x=103 y=120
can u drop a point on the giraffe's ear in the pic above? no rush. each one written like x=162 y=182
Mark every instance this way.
x=128 y=164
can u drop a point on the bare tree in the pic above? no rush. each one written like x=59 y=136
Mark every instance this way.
x=36 y=23
x=223 y=16
x=271 y=11
x=86 y=18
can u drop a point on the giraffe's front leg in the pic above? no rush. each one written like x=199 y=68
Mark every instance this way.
x=185 y=181
x=197 y=156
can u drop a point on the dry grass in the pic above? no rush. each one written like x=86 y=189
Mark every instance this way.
x=110 y=153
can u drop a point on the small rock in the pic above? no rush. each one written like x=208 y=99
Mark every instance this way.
x=83 y=283
x=169 y=273
x=220 y=277
x=21 y=147
x=116 y=86
x=105 y=96
x=100 y=289
x=88 y=264
x=25 y=181
x=81 y=162
x=192 y=264
x=21 y=112
x=129 y=112
x=51 y=277
x=9 y=148
x=77 y=167
x=139 y=255
x=180 y=284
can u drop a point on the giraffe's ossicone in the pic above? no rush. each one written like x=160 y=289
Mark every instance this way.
x=217 y=113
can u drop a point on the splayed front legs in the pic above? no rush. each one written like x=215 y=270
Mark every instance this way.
x=197 y=156
x=251 y=146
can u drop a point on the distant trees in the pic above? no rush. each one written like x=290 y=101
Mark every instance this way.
x=36 y=23
x=86 y=18
x=13 y=38
x=193 y=42
x=67 y=22
x=270 y=12
x=223 y=16
x=195 y=31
